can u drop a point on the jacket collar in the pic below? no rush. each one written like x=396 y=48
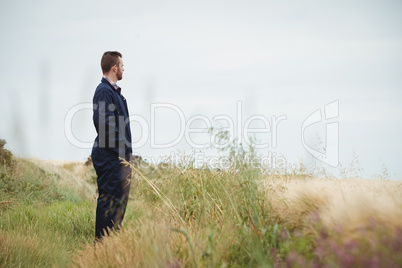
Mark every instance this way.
x=113 y=85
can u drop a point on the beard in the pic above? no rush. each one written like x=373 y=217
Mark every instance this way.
x=119 y=75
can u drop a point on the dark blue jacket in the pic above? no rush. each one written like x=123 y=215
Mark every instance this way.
x=112 y=124
x=111 y=120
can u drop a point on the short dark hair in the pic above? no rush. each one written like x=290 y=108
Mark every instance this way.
x=109 y=59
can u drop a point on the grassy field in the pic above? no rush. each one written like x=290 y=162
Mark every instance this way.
x=183 y=217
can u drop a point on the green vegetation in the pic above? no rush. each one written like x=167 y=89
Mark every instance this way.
x=43 y=235
x=179 y=216
x=41 y=220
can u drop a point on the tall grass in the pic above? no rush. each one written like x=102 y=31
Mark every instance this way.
x=244 y=217
x=44 y=214
x=179 y=216
x=44 y=235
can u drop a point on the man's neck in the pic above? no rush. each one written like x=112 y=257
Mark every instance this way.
x=113 y=79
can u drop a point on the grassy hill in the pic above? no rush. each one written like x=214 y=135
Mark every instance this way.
x=183 y=217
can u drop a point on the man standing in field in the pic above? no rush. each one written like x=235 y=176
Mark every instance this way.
x=111 y=147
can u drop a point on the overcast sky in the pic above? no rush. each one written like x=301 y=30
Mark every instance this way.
x=275 y=57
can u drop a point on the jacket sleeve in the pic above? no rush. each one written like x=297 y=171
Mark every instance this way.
x=107 y=122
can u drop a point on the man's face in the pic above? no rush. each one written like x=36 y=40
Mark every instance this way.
x=120 y=70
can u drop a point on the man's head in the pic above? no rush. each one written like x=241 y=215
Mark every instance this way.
x=112 y=65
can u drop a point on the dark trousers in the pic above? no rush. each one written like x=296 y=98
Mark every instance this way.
x=113 y=181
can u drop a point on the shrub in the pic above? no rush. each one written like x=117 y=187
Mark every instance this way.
x=6 y=157
x=88 y=162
